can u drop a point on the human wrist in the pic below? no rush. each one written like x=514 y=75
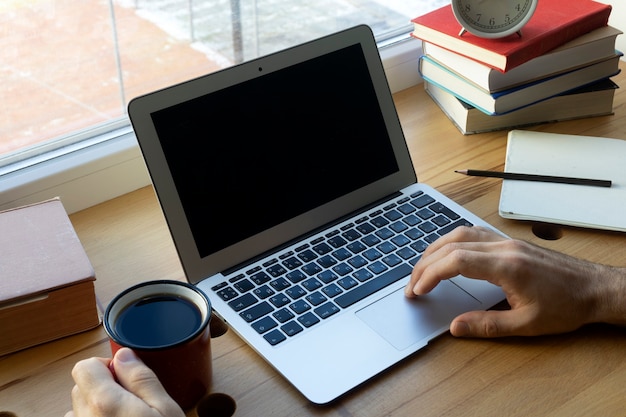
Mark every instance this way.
x=609 y=301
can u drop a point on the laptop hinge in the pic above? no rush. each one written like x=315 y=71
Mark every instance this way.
x=305 y=236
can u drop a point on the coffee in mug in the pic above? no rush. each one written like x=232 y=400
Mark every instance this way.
x=166 y=323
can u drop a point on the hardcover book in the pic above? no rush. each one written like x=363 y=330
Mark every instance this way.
x=554 y=23
x=518 y=97
x=595 y=46
x=590 y=101
x=46 y=280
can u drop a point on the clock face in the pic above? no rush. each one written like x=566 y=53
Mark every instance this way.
x=493 y=18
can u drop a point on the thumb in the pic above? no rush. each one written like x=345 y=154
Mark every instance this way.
x=141 y=381
x=486 y=324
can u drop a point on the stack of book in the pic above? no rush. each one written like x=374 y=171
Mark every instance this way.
x=560 y=68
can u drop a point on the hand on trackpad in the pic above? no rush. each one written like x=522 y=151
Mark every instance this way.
x=404 y=322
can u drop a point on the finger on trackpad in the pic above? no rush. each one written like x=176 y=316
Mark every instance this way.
x=404 y=321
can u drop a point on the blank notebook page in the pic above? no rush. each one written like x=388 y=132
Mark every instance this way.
x=571 y=156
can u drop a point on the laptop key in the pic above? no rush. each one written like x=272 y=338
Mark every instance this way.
x=342 y=254
x=386 y=247
x=371 y=240
x=322 y=249
x=393 y=215
x=307 y=255
x=276 y=270
x=264 y=325
x=283 y=315
x=256 y=312
x=406 y=253
x=227 y=294
x=406 y=208
x=337 y=242
x=431 y=238
x=243 y=285
x=398 y=226
x=361 y=275
x=351 y=235
x=316 y=298
x=295 y=276
x=384 y=233
x=291 y=328
x=427 y=227
x=275 y=337
x=452 y=226
x=326 y=310
x=392 y=260
x=440 y=208
x=372 y=254
x=292 y=263
x=347 y=283
x=280 y=284
x=295 y=292
x=414 y=233
x=377 y=267
x=279 y=300
x=327 y=276
x=379 y=221
x=311 y=269
x=326 y=261
x=342 y=269
x=311 y=284
x=373 y=285
x=332 y=290
x=219 y=286
x=263 y=292
x=412 y=220
x=400 y=240
x=441 y=220
x=299 y=306
x=356 y=247
x=365 y=228
x=357 y=262
x=242 y=302
x=260 y=278
x=308 y=319
x=423 y=201
x=420 y=246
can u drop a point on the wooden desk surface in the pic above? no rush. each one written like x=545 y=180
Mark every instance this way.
x=581 y=373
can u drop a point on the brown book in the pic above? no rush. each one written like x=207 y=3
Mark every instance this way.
x=46 y=280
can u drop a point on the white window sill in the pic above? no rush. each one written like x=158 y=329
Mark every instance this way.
x=115 y=166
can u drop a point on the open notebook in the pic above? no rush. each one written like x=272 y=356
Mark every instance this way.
x=291 y=197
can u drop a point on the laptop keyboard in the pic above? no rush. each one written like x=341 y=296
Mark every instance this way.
x=312 y=281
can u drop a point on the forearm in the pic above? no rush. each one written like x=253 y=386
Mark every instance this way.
x=610 y=295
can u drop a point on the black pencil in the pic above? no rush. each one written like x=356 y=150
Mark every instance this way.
x=535 y=177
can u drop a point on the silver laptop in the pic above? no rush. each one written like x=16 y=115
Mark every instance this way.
x=292 y=200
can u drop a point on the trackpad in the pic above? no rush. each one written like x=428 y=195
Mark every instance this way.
x=405 y=321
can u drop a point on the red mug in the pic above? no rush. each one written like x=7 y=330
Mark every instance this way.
x=166 y=324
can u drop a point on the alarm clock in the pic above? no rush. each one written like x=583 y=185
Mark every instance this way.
x=493 y=18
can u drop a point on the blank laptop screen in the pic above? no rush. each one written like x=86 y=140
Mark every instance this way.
x=253 y=155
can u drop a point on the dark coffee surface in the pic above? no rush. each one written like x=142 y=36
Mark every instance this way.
x=157 y=321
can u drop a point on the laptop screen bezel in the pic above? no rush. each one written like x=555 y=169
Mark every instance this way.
x=140 y=110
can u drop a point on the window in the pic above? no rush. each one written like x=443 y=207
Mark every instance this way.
x=69 y=69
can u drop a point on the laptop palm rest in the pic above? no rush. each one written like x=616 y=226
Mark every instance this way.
x=404 y=322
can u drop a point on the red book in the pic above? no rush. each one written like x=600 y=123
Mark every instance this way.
x=554 y=23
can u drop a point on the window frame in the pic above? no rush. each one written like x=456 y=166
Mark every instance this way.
x=107 y=165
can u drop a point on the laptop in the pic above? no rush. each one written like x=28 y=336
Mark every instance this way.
x=291 y=197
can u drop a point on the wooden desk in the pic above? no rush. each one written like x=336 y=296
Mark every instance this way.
x=581 y=373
